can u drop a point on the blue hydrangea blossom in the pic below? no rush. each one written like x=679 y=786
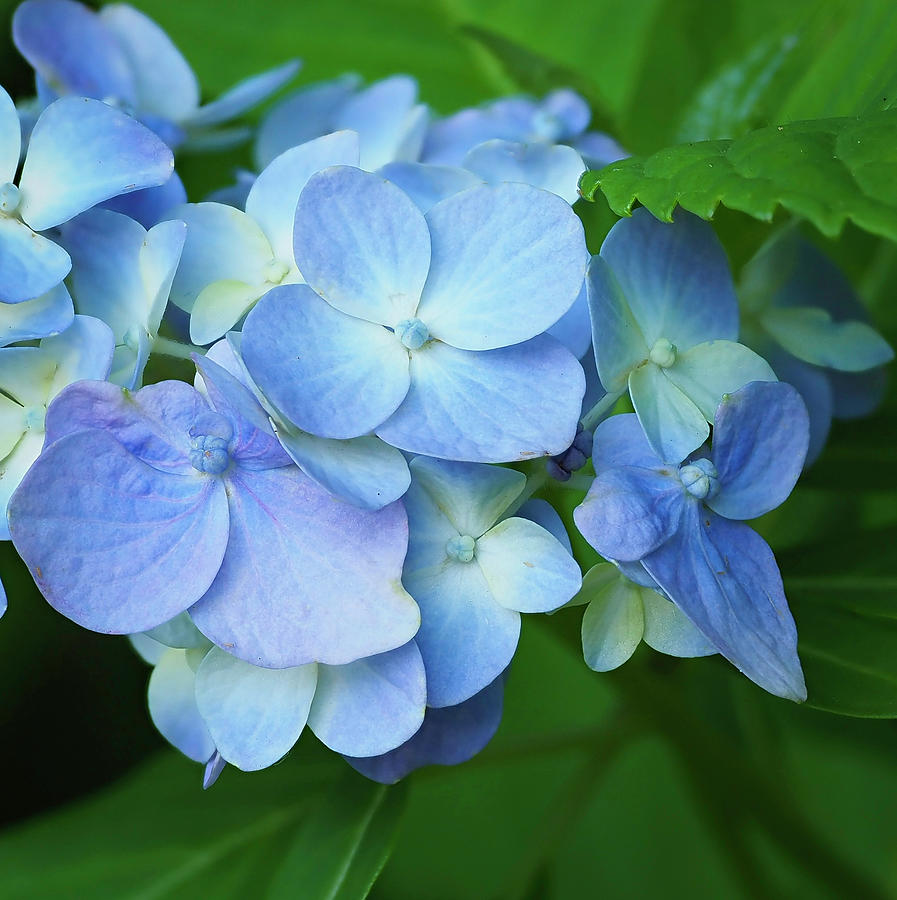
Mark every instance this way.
x=665 y=325
x=473 y=568
x=684 y=524
x=426 y=330
x=194 y=504
x=122 y=57
x=81 y=153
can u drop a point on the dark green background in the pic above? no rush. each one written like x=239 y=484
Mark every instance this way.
x=669 y=778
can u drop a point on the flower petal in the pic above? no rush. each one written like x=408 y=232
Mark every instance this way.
x=254 y=715
x=675 y=278
x=629 y=512
x=331 y=374
x=10 y=138
x=219 y=307
x=508 y=262
x=526 y=568
x=614 y=623
x=82 y=152
x=362 y=244
x=500 y=405
x=674 y=426
x=573 y=329
x=30 y=265
x=427 y=185
x=306 y=579
x=668 y=630
x=370 y=706
x=723 y=576
x=760 y=439
x=45 y=315
x=112 y=543
x=620 y=441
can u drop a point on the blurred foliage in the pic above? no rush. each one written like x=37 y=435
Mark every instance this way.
x=667 y=777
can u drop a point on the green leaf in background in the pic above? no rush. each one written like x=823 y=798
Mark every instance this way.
x=825 y=170
x=308 y=828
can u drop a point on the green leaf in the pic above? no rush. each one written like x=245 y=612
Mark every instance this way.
x=342 y=844
x=157 y=836
x=825 y=170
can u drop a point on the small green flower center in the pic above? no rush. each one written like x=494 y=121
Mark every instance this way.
x=663 y=353
x=461 y=548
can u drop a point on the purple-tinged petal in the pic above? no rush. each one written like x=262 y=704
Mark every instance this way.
x=527 y=569
x=71 y=49
x=597 y=149
x=372 y=705
x=508 y=262
x=620 y=441
x=501 y=405
x=428 y=185
x=675 y=278
x=243 y=96
x=10 y=138
x=551 y=167
x=674 y=426
x=629 y=512
x=619 y=343
x=760 y=439
x=273 y=198
x=362 y=244
x=112 y=543
x=449 y=736
x=153 y=423
x=305 y=578
x=13 y=468
x=724 y=577
x=45 y=315
x=328 y=373
x=83 y=152
x=172 y=705
x=30 y=265
x=164 y=82
x=254 y=715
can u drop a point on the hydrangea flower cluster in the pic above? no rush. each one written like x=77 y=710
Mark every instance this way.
x=403 y=350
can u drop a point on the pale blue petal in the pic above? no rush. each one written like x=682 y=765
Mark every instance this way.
x=471 y=496
x=172 y=706
x=30 y=265
x=629 y=512
x=302 y=116
x=363 y=470
x=427 y=185
x=382 y=115
x=613 y=623
x=223 y=244
x=526 y=568
x=273 y=197
x=70 y=48
x=597 y=149
x=160 y=256
x=362 y=244
x=26 y=374
x=573 y=329
x=508 y=262
x=12 y=470
x=619 y=343
x=543 y=513
x=810 y=334
x=83 y=152
x=153 y=423
x=179 y=632
x=328 y=373
x=620 y=441
x=149 y=650
x=10 y=138
x=552 y=167
x=305 y=578
x=243 y=96
x=45 y=315
x=82 y=351
x=449 y=736
x=112 y=543
x=165 y=83
x=150 y=205
x=570 y=109
x=370 y=706
x=673 y=424
x=254 y=715
x=708 y=371
x=466 y=638
x=449 y=140
x=760 y=439
x=723 y=576
x=495 y=406
x=668 y=630
x=675 y=278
